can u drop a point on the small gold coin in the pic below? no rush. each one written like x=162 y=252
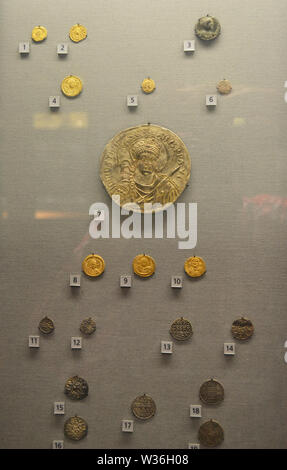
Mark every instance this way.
x=93 y=265
x=148 y=85
x=144 y=265
x=242 y=329
x=71 y=86
x=224 y=87
x=210 y=434
x=181 y=329
x=78 y=32
x=207 y=28
x=75 y=428
x=143 y=407
x=194 y=266
x=46 y=326
x=88 y=326
x=211 y=392
x=39 y=33
x=76 y=388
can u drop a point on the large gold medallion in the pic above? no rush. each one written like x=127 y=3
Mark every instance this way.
x=143 y=407
x=76 y=388
x=75 y=428
x=39 y=33
x=148 y=85
x=211 y=392
x=46 y=326
x=224 y=87
x=207 y=28
x=145 y=165
x=242 y=329
x=210 y=434
x=78 y=32
x=195 y=266
x=88 y=326
x=144 y=265
x=93 y=265
x=71 y=86
x=181 y=329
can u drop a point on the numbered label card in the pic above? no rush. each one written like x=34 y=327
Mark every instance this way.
x=189 y=45
x=166 y=347
x=195 y=411
x=24 y=47
x=126 y=281
x=211 y=100
x=127 y=425
x=176 y=282
x=229 y=349
x=75 y=280
x=59 y=407
x=132 y=100
x=58 y=445
x=62 y=48
x=54 y=101
x=34 y=341
x=193 y=446
x=76 y=342
x=99 y=214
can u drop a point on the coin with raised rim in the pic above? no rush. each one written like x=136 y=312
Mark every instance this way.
x=242 y=329
x=144 y=265
x=195 y=266
x=39 y=33
x=46 y=326
x=76 y=388
x=71 y=86
x=148 y=85
x=93 y=265
x=181 y=329
x=211 y=392
x=88 y=326
x=224 y=87
x=78 y=32
x=207 y=28
x=75 y=428
x=210 y=434
x=143 y=407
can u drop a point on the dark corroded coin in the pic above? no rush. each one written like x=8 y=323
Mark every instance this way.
x=88 y=326
x=143 y=407
x=210 y=434
x=75 y=428
x=242 y=329
x=207 y=28
x=46 y=326
x=76 y=388
x=211 y=392
x=181 y=329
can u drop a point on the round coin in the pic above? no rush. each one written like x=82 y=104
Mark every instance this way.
x=46 y=326
x=148 y=85
x=211 y=392
x=75 y=428
x=76 y=388
x=242 y=328
x=210 y=434
x=181 y=329
x=93 y=265
x=207 y=28
x=71 y=86
x=39 y=33
x=143 y=407
x=88 y=326
x=78 y=32
x=144 y=265
x=224 y=87
x=195 y=266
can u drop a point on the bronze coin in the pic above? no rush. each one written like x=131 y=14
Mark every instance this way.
x=88 y=326
x=76 y=388
x=210 y=434
x=211 y=392
x=75 y=428
x=181 y=329
x=46 y=326
x=242 y=329
x=143 y=407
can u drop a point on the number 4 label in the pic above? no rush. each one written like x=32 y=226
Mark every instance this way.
x=54 y=101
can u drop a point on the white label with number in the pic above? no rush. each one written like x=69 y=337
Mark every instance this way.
x=24 y=47
x=176 y=282
x=127 y=425
x=126 y=281
x=59 y=407
x=285 y=355
x=34 y=341
x=58 y=445
x=76 y=342
x=193 y=446
x=211 y=100
x=54 y=101
x=166 y=347
x=75 y=280
x=195 y=411
x=229 y=349
x=189 y=45
x=99 y=214
x=132 y=100
x=62 y=48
